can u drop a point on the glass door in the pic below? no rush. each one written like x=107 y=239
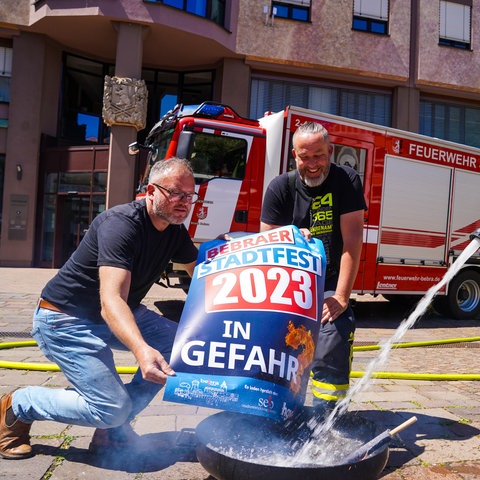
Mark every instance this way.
x=71 y=195
x=72 y=224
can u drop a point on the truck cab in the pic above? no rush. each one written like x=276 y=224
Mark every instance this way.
x=222 y=147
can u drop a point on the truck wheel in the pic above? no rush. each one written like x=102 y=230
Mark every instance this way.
x=440 y=305
x=463 y=298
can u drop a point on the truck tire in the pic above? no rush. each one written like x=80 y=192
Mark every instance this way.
x=440 y=305
x=463 y=297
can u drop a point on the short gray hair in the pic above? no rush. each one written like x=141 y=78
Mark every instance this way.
x=162 y=168
x=310 y=128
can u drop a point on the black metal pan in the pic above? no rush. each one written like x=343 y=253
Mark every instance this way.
x=234 y=446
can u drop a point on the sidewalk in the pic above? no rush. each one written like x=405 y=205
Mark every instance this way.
x=444 y=443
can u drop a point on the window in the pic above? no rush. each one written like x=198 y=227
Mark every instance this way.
x=212 y=9
x=292 y=9
x=455 y=28
x=218 y=156
x=82 y=97
x=81 y=107
x=274 y=95
x=159 y=145
x=5 y=61
x=5 y=78
x=453 y=122
x=166 y=89
x=371 y=16
x=211 y=156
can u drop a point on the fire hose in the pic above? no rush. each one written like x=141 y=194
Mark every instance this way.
x=51 y=367
x=419 y=376
x=41 y=367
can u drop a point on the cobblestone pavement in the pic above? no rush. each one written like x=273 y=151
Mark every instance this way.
x=443 y=444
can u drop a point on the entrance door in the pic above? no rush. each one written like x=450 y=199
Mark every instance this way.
x=72 y=222
x=72 y=193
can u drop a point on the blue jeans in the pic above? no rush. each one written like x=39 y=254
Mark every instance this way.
x=82 y=349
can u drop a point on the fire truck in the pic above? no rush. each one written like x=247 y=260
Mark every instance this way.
x=422 y=193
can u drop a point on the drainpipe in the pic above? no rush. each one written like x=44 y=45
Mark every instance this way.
x=414 y=95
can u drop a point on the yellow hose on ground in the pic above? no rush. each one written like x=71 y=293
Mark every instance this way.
x=26 y=343
x=41 y=367
x=50 y=367
x=427 y=343
x=420 y=376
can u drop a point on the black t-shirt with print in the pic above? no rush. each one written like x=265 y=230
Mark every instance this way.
x=318 y=209
x=123 y=237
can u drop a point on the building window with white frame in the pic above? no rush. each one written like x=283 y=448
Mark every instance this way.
x=455 y=23
x=292 y=9
x=371 y=16
x=212 y=9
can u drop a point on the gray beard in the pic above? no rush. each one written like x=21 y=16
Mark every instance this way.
x=314 y=182
x=157 y=211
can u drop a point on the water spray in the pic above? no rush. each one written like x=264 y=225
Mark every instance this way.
x=341 y=407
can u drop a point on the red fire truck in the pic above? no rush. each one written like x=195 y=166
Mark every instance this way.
x=423 y=194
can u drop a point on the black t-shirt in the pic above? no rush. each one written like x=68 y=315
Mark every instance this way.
x=317 y=208
x=124 y=237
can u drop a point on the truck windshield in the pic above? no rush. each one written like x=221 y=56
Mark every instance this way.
x=158 y=151
x=211 y=156
x=218 y=156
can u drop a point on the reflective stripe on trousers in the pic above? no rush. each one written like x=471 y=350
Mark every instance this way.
x=328 y=391
x=333 y=359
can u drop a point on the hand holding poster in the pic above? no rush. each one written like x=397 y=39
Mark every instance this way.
x=249 y=327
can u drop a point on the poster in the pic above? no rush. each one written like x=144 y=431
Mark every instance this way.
x=247 y=334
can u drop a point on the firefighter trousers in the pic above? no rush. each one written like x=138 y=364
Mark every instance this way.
x=333 y=360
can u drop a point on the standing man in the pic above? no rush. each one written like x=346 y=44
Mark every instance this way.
x=93 y=304
x=325 y=201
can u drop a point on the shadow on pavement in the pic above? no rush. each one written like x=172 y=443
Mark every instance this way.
x=407 y=445
x=152 y=453
x=158 y=451
x=171 y=309
x=386 y=314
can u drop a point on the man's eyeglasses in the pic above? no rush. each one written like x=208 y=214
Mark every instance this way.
x=175 y=195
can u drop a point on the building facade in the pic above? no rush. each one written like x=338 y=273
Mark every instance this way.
x=410 y=64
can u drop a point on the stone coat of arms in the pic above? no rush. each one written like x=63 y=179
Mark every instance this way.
x=125 y=102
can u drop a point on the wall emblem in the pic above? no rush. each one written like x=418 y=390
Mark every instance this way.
x=125 y=102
